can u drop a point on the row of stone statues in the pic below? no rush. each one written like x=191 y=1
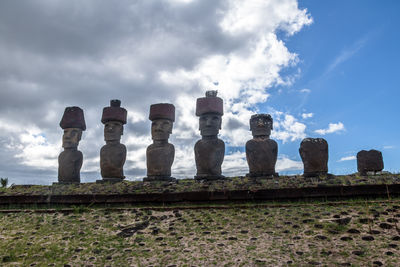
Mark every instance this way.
x=261 y=151
x=112 y=154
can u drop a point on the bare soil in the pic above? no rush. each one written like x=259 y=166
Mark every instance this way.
x=339 y=234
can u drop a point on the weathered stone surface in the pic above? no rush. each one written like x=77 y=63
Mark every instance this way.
x=209 y=151
x=70 y=160
x=69 y=166
x=162 y=111
x=160 y=155
x=261 y=155
x=261 y=152
x=369 y=161
x=114 y=112
x=113 y=153
x=112 y=160
x=73 y=118
x=314 y=154
x=209 y=104
x=209 y=155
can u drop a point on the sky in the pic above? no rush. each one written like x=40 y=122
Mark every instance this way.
x=326 y=69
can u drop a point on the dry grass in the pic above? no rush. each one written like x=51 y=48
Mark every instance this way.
x=191 y=185
x=300 y=235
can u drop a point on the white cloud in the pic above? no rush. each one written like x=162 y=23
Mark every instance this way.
x=235 y=164
x=240 y=75
x=287 y=128
x=284 y=163
x=307 y=115
x=141 y=52
x=184 y=164
x=305 y=90
x=249 y=16
x=333 y=127
x=347 y=158
x=388 y=147
x=348 y=52
x=180 y=1
x=37 y=152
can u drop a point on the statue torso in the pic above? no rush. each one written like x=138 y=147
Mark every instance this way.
x=159 y=159
x=69 y=166
x=209 y=155
x=261 y=156
x=315 y=158
x=112 y=160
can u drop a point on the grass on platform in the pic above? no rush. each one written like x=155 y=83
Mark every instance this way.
x=191 y=185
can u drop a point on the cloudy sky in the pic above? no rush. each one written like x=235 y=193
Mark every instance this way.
x=320 y=68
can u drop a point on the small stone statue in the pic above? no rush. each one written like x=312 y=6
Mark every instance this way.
x=160 y=155
x=70 y=160
x=369 y=161
x=113 y=153
x=314 y=154
x=209 y=151
x=261 y=152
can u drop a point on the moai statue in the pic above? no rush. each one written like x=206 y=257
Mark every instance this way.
x=261 y=152
x=209 y=151
x=70 y=160
x=369 y=161
x=314 y=154
x=113 y=153
x=160 y=155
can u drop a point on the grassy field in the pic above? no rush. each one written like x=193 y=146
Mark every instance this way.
x=362 y=233
x=191 y=185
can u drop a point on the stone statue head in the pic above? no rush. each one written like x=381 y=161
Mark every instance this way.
x=71 y=137
x=210 y=124
x=210 y=111
x=371 y=160
x=314 y=154
x=161 y=129
x=113 y=130
x=318 y=147
x=162 y=116
x=73 y=123
x=261 y=125
x=114 y=118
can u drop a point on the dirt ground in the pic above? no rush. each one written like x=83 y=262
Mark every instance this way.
x=321 y=234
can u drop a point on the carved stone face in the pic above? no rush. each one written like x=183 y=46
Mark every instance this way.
x=161 y=129
x=209 y=124
x=113 y=130
x=71 y=137
x=261 y=126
